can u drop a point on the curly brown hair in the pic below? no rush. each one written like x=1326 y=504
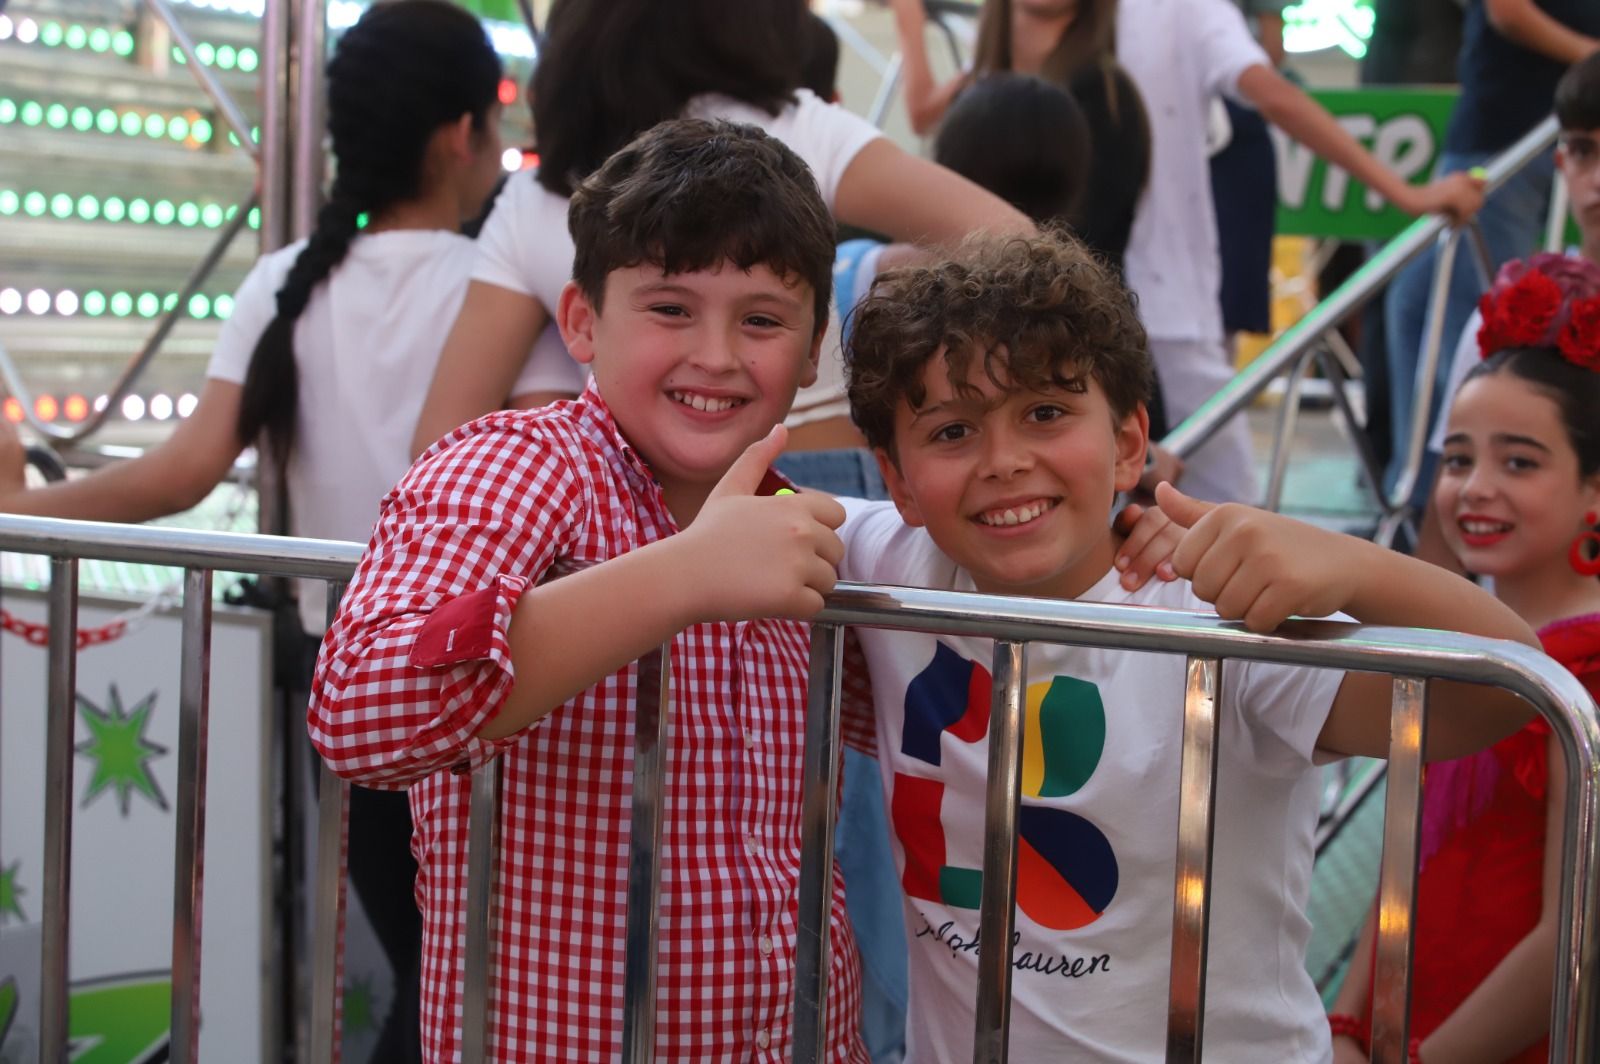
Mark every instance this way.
x=1041 y=312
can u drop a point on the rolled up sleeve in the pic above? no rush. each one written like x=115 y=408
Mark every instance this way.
x=419 y=659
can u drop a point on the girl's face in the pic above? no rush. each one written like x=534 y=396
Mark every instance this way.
x=1510 y=497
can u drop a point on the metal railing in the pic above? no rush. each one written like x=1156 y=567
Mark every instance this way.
x=1315 y=337
x=1410 y=655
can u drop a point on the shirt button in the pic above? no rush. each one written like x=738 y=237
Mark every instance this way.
x=749 y=741
x=763 y=1039
x=752 y=847
x=765 y=945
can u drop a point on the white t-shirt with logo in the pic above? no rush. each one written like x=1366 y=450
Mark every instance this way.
x=525 y=245
x=1098 y=831
x=365 y=347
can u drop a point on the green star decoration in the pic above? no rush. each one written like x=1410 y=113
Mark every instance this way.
x=11 y=894
x=360 y=1007
x=120 y=751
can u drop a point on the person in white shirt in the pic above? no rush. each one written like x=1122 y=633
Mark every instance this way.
x=1181 y=55
x=610 y=69
x=1002 y=394
x=328 y=354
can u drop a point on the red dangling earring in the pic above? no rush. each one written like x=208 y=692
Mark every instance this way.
x=1586 y=566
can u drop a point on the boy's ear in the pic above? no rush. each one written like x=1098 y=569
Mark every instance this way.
x=575 y=317
x=808 y=373
x=1132 y=439
x=899 y=491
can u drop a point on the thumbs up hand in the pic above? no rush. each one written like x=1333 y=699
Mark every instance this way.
x=1258 y=567
x=751 y=556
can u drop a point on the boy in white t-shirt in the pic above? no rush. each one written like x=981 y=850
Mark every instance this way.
x=1003 y=394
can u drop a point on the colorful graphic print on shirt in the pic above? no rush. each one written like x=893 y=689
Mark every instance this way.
x=1066 y=869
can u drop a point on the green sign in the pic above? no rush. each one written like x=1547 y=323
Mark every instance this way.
x=1403 y=128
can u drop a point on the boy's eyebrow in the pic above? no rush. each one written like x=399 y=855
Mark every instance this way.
x=667 y=287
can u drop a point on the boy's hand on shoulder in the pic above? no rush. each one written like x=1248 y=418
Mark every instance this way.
x=1258 y=567
x=749 y=556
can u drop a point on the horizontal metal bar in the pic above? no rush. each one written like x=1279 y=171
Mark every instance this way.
x=319 y=559
x=1319 y=644
x=1322 y=644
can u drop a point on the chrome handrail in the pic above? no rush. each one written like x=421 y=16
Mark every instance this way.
x=1410 y=655
x=1306 y=334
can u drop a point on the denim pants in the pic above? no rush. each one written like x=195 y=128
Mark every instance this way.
x=861 y=845
x=1513 y=221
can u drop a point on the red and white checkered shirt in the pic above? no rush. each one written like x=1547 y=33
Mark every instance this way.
x=418 y=661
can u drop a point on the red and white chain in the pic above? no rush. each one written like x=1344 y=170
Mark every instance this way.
x=35 y=634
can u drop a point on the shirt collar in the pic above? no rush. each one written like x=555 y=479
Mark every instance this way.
x=595 y=415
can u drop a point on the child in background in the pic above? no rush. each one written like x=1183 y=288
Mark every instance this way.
x=1518 y=495
x=1577 y=160
x=328 y=353
x=701 y=279
x=610 y=69
x=1002 y=392
x=1180 y=54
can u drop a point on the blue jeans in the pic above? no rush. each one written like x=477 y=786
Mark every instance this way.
x=861 y=845
x=1512 y=221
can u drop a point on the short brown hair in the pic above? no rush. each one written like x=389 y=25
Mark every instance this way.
x=1039 y=311
x=690 y=194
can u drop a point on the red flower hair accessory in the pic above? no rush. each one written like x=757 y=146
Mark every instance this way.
x=1545 y=301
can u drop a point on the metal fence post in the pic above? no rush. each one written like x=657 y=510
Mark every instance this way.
x=483 y=841
x=62 y=708
x=189 y=870
x=1191 y=902
x=819 y=796
x=998 y=897
x=651 y=733
x=1397 y=881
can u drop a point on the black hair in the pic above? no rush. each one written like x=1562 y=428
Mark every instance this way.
x=1023 y=139
x=611 y=69
x=819 y=57
x=402 y=71
x=1575 y=390
x=1578 y=95
x=692 y=194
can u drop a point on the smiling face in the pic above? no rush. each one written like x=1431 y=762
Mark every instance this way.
x=695 y=366
x=1015 y=485
x=1510 y=496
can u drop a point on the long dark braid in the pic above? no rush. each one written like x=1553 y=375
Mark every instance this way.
x=402 y=71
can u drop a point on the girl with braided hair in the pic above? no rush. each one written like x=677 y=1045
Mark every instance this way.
x=611 y=69
x=328 y=354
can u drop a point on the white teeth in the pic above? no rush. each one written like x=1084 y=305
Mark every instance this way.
x=711 y=404
x=1484 y=528
x=1015 y=516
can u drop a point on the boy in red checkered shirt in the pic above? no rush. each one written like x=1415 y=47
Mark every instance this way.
x=700 y=293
